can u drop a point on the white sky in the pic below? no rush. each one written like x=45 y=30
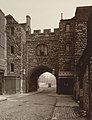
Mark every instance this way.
x=44 y=13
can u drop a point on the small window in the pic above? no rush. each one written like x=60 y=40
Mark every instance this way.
x=67 y=27
x=12 y=30
x=12 y=49
x=42 y=50
x=12 y=67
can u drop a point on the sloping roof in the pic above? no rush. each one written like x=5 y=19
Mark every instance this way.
x=11 y=17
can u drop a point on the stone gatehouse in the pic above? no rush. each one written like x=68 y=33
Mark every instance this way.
x=31 y=54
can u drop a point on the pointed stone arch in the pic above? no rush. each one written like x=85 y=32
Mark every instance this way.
x=33 y=84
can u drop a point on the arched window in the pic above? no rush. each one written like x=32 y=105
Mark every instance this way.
x=12 y=30
x=42 y=50
x=67 y=27
x=12 y=67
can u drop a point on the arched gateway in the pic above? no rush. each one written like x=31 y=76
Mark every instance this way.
x=31 y=54
x=33 y=79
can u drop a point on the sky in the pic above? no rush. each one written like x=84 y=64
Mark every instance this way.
x=45 y=14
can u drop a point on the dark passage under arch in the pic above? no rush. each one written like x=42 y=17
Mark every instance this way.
x=33 y=82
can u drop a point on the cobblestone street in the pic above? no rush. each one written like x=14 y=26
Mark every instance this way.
x=43 y=105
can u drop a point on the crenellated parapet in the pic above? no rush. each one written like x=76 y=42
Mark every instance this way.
x=45 y=32
x=37 y=32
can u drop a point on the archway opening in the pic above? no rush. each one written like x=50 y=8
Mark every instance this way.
x=37 y=75
x=47 y=81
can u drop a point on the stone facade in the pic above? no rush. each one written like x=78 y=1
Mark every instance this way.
x=31 y=54
x=2 y=51
x=84 y=73
x=66 y=54
x=82 y=15
x=65 y=47
x=48 y=40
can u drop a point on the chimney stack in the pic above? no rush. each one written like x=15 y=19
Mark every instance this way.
x=61 y=16
x=28 y=20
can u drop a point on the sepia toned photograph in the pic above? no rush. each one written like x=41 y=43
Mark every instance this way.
x=45 y=59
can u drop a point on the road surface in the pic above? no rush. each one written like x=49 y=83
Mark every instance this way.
x=43 y=105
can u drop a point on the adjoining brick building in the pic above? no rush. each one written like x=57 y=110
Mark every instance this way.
x=2 y=51
x=16 y=41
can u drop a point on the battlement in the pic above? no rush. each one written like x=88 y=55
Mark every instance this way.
x=56 y=30
x=45 y=31
x=36 y=31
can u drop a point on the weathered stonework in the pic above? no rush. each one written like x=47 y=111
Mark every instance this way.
x=82 y=15
x=62 y=51
x=83 y=72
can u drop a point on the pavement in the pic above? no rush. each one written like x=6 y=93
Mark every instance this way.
x=18 y=95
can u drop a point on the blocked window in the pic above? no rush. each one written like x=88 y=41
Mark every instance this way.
x=12 y=30
x=12 y=67
x=12 y=49
x=42 y=50
x=67 y=27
